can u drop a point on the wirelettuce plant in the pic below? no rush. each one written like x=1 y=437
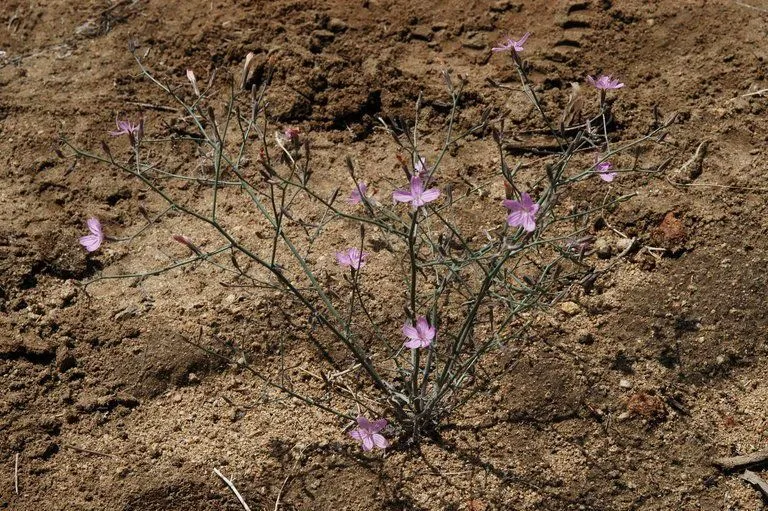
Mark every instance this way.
x=493 y=278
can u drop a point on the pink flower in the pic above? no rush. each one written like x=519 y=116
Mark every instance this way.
x=422 y=171
x=351 y=257
x=511 y=44
x=292 y=135
x=356 y=197
x=417 y=195
x=605 y=82
x=522 y=212
x=128 y=128
x=420 y=336
x=367 y=433
x=604 y=171
x=93 y=241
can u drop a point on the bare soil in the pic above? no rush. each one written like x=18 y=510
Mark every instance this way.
x=619 y=398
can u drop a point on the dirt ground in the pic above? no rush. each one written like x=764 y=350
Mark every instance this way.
x=619 y=399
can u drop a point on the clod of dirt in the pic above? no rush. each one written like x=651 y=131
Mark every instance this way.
x=547 y=390
x=320 y=39
x=603 y=248
x=421 y=33
x=476 y=505
x=254 y=70
x=671 y=233
x=185 y=492
x=585 y=337
x=506 y=5
x=337 y=25
x=646 y=406
x=28 y=346
x=105 y=403
x=42 y=449
x=65 y=360
x=59 y=256
x=167 y=363
x=89 y=29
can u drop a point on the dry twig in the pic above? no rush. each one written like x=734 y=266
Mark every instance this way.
x=742 y=4
x=232 y=487
x=755 y=479
x=741 y=461
x=748 y=94
x=16 y=474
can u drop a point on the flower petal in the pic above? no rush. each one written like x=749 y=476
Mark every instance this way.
x=511 y=205
x=515 y=218
x=379 y=441
x=94 y=226
x=410 y=332
x=91 y=242
x=422 y=327
x=526 y=201
x=378 y=425
x=364 y=423
x=430 y=195
x=529 y=223
x=402 y=196
x=413 y=343
x=356 y=434
x=417 y=186
x=343 y=259
x=367 y=443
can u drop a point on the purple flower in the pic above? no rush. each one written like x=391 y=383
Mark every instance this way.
x=423 y=171
x=351 y=257
x=522 y=212
x=417 y=195
x=128 y=128
x=420 y=336
x=367 y=433
x=356 y=197
x=604 y=171
x=93 y=241
x=510 y=44
x=605 y=82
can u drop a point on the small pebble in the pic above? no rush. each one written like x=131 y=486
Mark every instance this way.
x=603 y=248
x=337 y=25
x=570 y=308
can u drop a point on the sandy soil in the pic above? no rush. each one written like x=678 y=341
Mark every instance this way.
x=618 y=399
